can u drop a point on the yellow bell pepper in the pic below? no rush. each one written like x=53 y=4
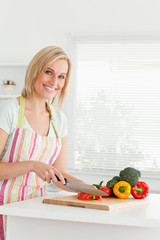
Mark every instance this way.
x=122 y=189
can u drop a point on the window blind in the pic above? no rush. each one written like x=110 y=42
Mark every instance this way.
x=117 y=106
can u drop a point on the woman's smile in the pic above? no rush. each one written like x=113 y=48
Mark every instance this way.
x=50 y=89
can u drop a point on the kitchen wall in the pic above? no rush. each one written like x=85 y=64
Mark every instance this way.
x=16 y=74
x=27 y=26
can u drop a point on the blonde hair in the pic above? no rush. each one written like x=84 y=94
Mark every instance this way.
x=41 y=61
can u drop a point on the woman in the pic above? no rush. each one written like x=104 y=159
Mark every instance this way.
x=33 y=133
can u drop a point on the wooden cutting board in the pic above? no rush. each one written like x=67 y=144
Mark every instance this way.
x=103 y=204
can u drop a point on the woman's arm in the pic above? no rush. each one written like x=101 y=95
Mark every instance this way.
x=3 y=140
x=61 y=164
x=11 y=170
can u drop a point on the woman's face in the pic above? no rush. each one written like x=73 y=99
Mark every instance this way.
x=52 y=80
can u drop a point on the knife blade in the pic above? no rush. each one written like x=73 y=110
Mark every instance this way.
x=79 y=187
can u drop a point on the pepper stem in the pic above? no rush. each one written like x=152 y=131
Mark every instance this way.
x=122 y=189
x=140 y=189
x=98 y=186
x=93 y=197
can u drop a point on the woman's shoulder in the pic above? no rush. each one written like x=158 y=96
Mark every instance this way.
x=58 y=114
x=9 y=114
x=9 y=105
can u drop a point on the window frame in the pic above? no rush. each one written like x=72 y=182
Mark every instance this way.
x=92 y=176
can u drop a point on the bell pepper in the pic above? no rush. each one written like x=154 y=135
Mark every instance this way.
x=94 y=197
x=122 y=189
x=98 y=186
x=86 y=196
x=106 y=190
x=103 y=188
x=140 y=190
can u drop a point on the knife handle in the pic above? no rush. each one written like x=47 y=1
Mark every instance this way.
x=60 y=180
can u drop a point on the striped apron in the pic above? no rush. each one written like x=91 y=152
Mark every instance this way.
x=26 y=145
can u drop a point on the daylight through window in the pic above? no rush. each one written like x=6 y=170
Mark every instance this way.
x=117 y=111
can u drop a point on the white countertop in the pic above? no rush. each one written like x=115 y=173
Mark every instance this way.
x=147 y=215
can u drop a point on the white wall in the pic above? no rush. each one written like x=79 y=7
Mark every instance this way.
x=28 y=25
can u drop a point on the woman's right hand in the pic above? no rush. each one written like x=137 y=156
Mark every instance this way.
x=47 y=172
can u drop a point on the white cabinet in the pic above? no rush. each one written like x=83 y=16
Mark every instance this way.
x=4 y=97
x=33 y=219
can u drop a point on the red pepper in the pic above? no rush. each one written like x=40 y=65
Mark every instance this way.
x=98 y=186
x=94 y=197
x=106 y=190
x=140 y=190
x=103 y=188
x=86 y=196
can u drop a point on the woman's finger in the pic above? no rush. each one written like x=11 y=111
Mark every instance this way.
x=48 y=179
x=59 y=175
x=52 y=176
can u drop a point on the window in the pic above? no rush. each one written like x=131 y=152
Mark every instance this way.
x=116 y=116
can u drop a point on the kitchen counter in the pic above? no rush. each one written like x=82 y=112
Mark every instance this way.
x=36 y=220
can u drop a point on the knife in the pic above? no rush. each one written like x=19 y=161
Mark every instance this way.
x=79 y=187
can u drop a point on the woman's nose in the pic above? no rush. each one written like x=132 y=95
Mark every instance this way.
x=54 y=79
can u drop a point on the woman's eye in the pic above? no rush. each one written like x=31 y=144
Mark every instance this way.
x=48 y=72
x=61 y=77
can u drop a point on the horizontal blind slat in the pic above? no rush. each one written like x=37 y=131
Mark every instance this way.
x=117 y=113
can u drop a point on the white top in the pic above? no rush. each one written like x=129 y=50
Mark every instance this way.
x=147 y=215
x=9 y=110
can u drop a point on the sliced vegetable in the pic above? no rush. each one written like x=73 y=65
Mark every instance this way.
x=122 y=189
x=140 y=190
x=84 y=196
x=93 y=197
x=97 y=197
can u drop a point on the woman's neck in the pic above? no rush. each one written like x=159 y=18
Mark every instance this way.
x=36 y=105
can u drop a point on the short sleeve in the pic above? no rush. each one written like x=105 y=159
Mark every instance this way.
x=6 y=116
x=64 y=127
x=61 y=122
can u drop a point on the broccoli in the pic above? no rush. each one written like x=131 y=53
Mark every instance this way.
x=130 y=175
x=139 y=173
x=113 y=181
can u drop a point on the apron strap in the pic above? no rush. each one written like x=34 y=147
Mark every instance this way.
x=21 y=115
x=21 y=112
x=52 y=118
